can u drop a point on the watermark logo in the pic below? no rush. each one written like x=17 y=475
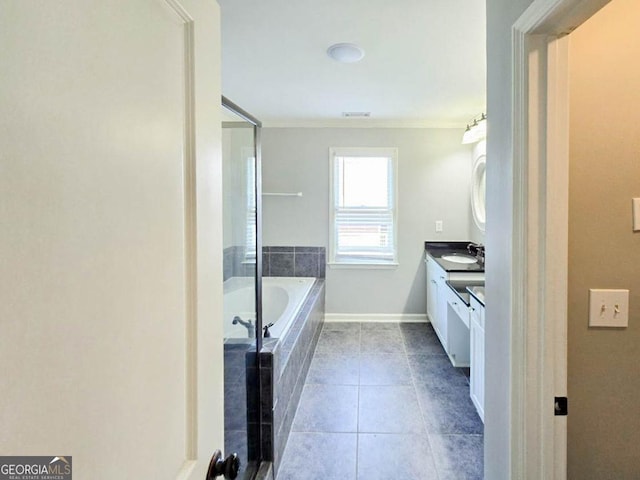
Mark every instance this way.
x=35 y=468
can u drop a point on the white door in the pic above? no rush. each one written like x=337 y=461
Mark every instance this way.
x=541 y=156
x=110 y=245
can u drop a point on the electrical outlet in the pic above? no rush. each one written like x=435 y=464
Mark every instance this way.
x=438 y=226
x=608 y=308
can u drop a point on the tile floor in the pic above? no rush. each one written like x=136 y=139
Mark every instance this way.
x=382 y=401
x=235 y=401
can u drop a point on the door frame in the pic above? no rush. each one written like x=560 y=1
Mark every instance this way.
x=540 y=115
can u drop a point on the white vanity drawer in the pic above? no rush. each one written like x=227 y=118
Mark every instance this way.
x=458 y=306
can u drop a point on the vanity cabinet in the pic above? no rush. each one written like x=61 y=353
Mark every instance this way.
x=438 y=294
x=477 y=355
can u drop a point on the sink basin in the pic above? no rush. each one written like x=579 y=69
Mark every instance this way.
x=457 y=258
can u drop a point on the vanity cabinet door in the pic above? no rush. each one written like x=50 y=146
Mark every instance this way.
x=477 y=356
x=436 y=299
x=432 y=292
x=441 y=315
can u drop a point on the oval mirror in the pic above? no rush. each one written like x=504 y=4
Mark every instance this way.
x=478 y=191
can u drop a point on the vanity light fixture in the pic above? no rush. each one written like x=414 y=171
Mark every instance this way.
x=345 y=52
x=476 y=131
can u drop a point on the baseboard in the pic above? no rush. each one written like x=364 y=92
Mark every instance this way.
x=376 y=317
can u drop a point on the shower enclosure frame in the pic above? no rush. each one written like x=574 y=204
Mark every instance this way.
x=257 y=126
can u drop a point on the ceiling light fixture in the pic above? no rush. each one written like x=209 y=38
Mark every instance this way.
x=476 y=131
x=345 y=52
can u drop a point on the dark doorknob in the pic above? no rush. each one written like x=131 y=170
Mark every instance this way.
x=228 y=467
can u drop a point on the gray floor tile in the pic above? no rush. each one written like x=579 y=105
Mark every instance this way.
x=327 y=408
x=407 y=457
x=339 y=342
x=389 y=409
x=411 y=404
x=384 y=369
x=380 y=326
x=416 y=327
x=341 y=326
x=381 y=341
x=319 y=456
x=435 y=369
x=427 y=346
x=420 y=338
x=334 y=370
x=458 y=457
x=448 y=409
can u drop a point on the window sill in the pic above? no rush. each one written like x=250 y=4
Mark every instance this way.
x=368 y=265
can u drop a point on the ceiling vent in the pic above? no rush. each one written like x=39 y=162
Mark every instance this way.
x=356 y=114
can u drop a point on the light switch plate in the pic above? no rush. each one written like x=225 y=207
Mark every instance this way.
x=438 y=226
x=608 y=308
x=636 y=214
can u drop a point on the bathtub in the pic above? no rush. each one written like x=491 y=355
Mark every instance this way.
x=282 y=298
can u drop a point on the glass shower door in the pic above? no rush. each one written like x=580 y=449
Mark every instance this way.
x=241 y=259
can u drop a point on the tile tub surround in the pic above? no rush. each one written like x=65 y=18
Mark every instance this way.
x=284 y=366
x=294 y=262
x=404 y=404
x=240 y=376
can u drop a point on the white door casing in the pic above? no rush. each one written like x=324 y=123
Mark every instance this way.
x=541 y=161
x=110 y=253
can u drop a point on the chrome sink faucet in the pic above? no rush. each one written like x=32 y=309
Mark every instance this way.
x=476 y=249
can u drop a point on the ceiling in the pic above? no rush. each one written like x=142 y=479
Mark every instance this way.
x=424 y=65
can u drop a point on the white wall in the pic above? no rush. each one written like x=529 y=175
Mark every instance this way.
x=501 y=15
x=434 y=171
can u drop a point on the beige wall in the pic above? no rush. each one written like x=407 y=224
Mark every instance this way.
x=604 y=380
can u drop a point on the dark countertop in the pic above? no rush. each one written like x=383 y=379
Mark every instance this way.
x=437 y=249
x=461 y=288
x=477 y=292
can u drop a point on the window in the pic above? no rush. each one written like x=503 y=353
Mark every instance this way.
x=251 y=213
x=363 y=206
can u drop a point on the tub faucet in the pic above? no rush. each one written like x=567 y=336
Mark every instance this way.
x=248 y=324
x=266 y=328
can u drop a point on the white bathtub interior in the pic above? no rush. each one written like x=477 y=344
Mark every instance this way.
x=239 y=300
x=282 y=298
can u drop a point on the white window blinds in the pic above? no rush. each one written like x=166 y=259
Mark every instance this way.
x=363 y=206
x=251 y=220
